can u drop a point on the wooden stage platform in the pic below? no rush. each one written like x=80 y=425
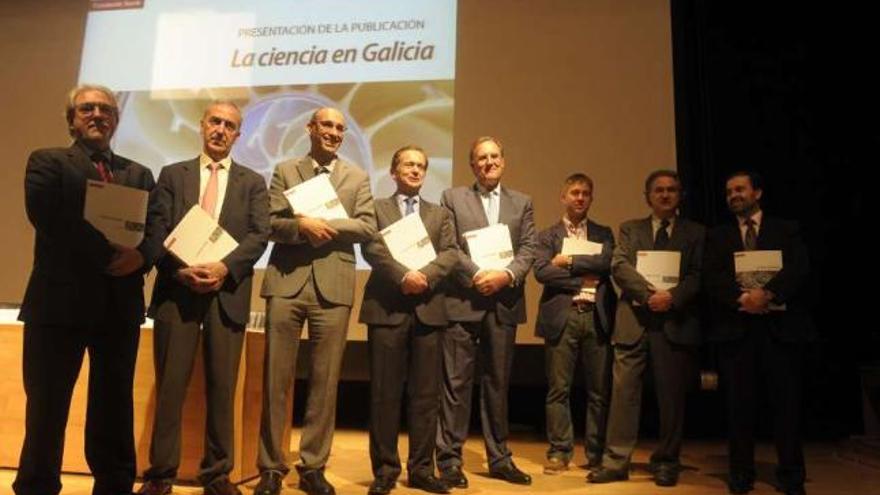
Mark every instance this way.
x=349 y=471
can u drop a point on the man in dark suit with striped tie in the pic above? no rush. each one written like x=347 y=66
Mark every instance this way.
x=84 y=294
x=761 y=332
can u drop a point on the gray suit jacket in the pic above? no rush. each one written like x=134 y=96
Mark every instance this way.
x=560 y=284
x=331 y=264
x=244 y=215
x=384 y=303
x=681 y=324
x=463 y=302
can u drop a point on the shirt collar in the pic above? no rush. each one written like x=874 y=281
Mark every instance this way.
x=205 y=160
x=330 y=166
x=756 y=218
x=655 y=221
x=569 y=226
x=90 y=152
x=486 y=192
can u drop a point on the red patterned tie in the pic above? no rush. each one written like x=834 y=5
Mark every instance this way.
x=103 y=169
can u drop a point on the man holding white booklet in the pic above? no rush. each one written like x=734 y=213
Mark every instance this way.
x=404 y=310
x=576 y=321
x=756 y=276
x=657 y=265
x=310 y=278
x=203 y=289
x=495 y=233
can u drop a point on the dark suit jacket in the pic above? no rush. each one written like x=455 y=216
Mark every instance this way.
x=793 y=324
x=244 y=215
x=463 y=302
x=67 y=284
x=561 y=285
x=681 y=323
x=332 y=264
x=384 y=303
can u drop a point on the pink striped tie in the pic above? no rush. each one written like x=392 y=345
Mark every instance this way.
x=209 y=199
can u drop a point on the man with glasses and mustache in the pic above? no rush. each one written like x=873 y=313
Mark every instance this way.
x=310 y=278
x=85 y=294
x=210 y=301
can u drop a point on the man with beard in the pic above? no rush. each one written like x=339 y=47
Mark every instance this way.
x=84 y=294
x=310 y=278
x=653 y=322
x=761 y=333
x=210 y=299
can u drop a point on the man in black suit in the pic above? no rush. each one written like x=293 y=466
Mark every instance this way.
x=211 y=299
x=656 y=321
x=404 y=311
x=576 y=319
x=761 y=332
x=84 y=294
x=484 y=307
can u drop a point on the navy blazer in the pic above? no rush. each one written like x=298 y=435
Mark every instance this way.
x=561 y=284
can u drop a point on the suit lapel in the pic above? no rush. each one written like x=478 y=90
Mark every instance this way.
x=305 y=169
x=191 y=181
x=390 y=210
x=232 y=183
x=119 y=170
x=476 y=206
x=646 y=235
x=83 y=162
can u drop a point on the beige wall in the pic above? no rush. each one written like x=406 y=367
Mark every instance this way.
x=568 y=85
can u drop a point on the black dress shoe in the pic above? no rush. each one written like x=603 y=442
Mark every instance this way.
x=428 y=483
x=222 y=487
x=666 y=475
x=312 y=481
x=794 y=490
x=740 y=483
x=381 y=486
x=606 y=475
x=270 y=483
x=511 y=474
x=453 y=477
x=155 y=487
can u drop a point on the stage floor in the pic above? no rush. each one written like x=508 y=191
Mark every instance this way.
x=349 y=471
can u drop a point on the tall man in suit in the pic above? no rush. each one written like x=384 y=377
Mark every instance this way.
x=761 y=332
x=405 y=315
x=84 y=294
x=576 y=320
x=484 y=307
x=655 y=322
x=310 y=277
x=211 y=299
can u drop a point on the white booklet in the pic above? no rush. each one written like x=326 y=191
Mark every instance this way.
x=408 y=242
x=490 y=247
x=660 y=268
x=118 y=212
x=198 y=238
x=316 y=198
x=755 y=268
x=575 y=247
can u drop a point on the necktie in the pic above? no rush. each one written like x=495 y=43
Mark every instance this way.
x=662 y=238
x=751 y=239
x=410 y=205
x=209 y=199
x=492 y=208
x=103 y=170
x=322 y=170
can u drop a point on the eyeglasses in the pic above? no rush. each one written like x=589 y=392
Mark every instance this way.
x=89 y=108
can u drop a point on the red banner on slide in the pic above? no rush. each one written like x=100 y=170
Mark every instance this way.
x=117 y=4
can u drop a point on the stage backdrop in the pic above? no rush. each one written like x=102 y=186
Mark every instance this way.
x=567 y=85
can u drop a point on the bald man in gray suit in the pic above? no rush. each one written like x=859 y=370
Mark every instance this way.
x=310 y=277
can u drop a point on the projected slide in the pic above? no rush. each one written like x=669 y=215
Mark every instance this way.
x=388 y=65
